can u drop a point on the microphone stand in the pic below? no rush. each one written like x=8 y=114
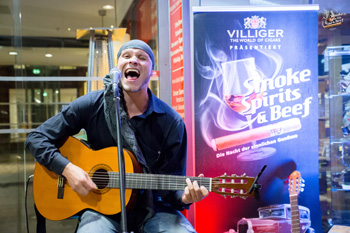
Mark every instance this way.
x=121 y=164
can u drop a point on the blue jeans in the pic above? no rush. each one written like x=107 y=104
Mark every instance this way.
x=165 y=219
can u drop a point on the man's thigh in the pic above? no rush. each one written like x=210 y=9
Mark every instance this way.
x=93 y=222
x=167 y=219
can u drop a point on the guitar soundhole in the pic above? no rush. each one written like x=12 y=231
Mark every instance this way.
x=100 y=178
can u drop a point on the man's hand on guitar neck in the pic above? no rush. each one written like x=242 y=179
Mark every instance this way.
x=193 y=192
x=78 y=179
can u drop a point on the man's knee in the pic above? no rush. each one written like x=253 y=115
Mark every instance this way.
x=94 y=222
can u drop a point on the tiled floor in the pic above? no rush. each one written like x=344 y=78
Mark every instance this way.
x=12 y=201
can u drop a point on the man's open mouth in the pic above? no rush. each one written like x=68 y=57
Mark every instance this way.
x=132 y=73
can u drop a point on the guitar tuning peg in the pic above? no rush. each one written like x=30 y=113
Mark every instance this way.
x=233 y=175
x=244 y=175
x=233 y=196
x=302 y=190
x=225 y=196
x=302 y=185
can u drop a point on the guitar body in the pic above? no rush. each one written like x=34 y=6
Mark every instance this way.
x=56 y=200
x=56 y=203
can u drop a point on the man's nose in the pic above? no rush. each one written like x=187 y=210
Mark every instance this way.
x=133 y=60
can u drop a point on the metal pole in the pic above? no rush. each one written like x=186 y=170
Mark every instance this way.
x=111 y=64
x=91 y=59
x=121 y=162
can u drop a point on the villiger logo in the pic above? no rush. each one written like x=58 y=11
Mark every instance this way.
x=254 y=22
x=331 y=19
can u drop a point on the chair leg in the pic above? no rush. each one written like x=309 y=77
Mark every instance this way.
x=76 y=229
x=40 y=222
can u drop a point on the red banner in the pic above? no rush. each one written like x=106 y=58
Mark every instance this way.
x=176 y=55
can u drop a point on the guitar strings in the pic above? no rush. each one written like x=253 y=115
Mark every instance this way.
x=165 y=182
x=158 y=177
x=137 y=176
x=151 y=179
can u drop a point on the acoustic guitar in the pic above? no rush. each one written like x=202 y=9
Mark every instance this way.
x=295 y=186
x=56 y=200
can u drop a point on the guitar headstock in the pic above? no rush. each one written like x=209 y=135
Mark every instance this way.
x=296 y=183
x=237 y=186
x=234 y=186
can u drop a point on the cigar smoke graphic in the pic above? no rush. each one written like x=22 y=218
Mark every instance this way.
x=220 y=106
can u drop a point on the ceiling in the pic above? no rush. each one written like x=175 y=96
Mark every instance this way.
x=53 y=18
x=57 y=20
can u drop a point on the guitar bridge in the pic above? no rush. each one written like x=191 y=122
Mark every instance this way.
x=60 y=187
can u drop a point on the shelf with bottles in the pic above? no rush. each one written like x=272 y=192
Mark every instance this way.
x=344 y=82
x=340 y=143
x=323 y=97
x=338 y=97
x=339 y=118
x=346 y=118
x=342 y=86
x=338 y=60
x=340 y=169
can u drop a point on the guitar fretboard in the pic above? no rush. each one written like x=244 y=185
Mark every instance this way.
x=294 y=211
x=155 y=182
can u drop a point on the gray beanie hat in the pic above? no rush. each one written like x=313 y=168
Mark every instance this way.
x=137 y=44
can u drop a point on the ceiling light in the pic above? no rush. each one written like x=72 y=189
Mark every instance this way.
x=19 y=67
x=108 y=7
x=13 y=53
x=48 y=55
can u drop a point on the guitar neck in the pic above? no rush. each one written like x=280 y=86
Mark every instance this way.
x=294 y=212
x=156 y=181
